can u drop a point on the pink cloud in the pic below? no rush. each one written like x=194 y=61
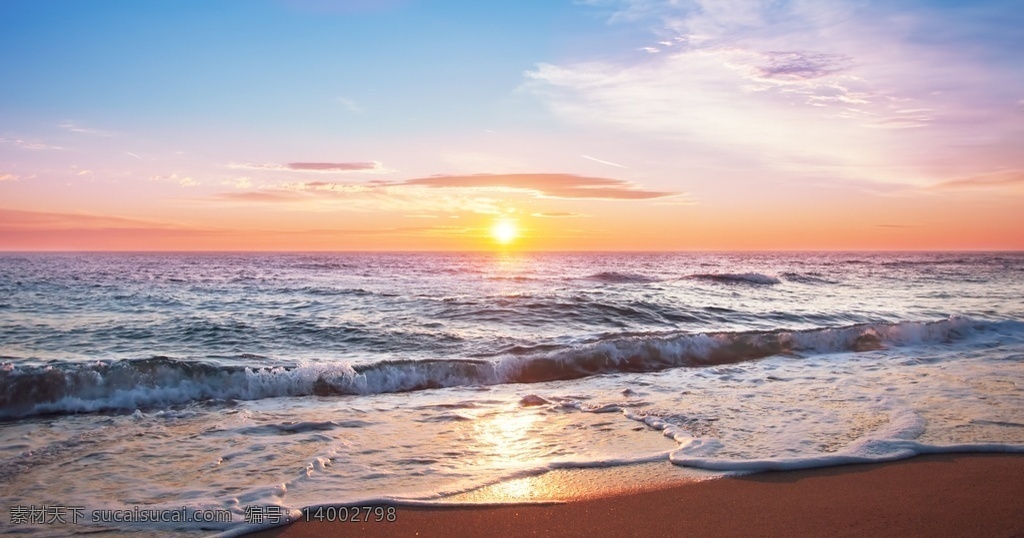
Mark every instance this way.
x=549 y=185
x=567 y=186
x=184 y=181
x=557 y=215
x=871 y=102
x=14 y=220
x=335 y=167
x=34 y=230
x=1004 y=179
x=24 y=144
x=260 y=196
x=366 y=166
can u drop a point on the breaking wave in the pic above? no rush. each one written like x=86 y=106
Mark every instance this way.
x=162 y=381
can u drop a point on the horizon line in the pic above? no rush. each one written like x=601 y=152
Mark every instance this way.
x=514 y=251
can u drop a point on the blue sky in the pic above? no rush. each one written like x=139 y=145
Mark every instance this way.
x=267 y=64
x=781 y=116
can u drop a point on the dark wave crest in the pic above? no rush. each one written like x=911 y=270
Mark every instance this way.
x=163 y=381
x=612 y=277
x=736 y=278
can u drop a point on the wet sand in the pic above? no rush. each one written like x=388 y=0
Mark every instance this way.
x=940 y=495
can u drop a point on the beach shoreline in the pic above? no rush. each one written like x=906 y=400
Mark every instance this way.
x=932 y=495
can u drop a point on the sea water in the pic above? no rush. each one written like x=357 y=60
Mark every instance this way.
x=203 y=382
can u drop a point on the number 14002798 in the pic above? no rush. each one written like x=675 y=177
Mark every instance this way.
x=353 y=514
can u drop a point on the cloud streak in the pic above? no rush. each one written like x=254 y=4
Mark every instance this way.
x=454 y=192
x=557 y=215
x=1007 y=179
x=19 y=220
x=184 y=181
x=336 y=167
x=323 y=167
x=596 y=160
x=25 y=144
x=14 y=220
x=69 y=126
x=36 y=230
x=546 y=185
x=265 y=196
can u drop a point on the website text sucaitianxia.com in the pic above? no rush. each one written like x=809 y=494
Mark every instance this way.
x=63 y=515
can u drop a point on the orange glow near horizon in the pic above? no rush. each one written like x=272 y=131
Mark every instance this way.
x=888 y=224
x=527 y=213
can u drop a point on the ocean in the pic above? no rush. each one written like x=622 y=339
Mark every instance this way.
x=208 y=384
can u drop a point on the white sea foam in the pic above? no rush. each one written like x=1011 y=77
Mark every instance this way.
x=866 y=451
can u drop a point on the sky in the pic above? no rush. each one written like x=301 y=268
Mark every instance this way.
x=635 y=125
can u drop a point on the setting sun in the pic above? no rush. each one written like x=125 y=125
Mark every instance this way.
x=504 y=231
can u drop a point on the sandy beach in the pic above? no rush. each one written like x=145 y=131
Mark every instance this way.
x=939 y=495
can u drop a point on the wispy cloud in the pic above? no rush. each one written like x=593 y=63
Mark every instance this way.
x=9 y=177
x=365 y=197
x=69 y=126
x=243 y=182
x=130 y=154
x=326 y=167
x=547 y=185
x=254 y=166
x=1006 y=179
x=336 y=167
x=79 y=171
x=442 y=195
x=18 y=220
x=332 y=187
x=265 y=196
x=184 y=181
x=851 y=87
x=718 y=98
x=72 y=231
x=403 y=230
x=557 y=215
x=596 y=160
x=27 y=144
